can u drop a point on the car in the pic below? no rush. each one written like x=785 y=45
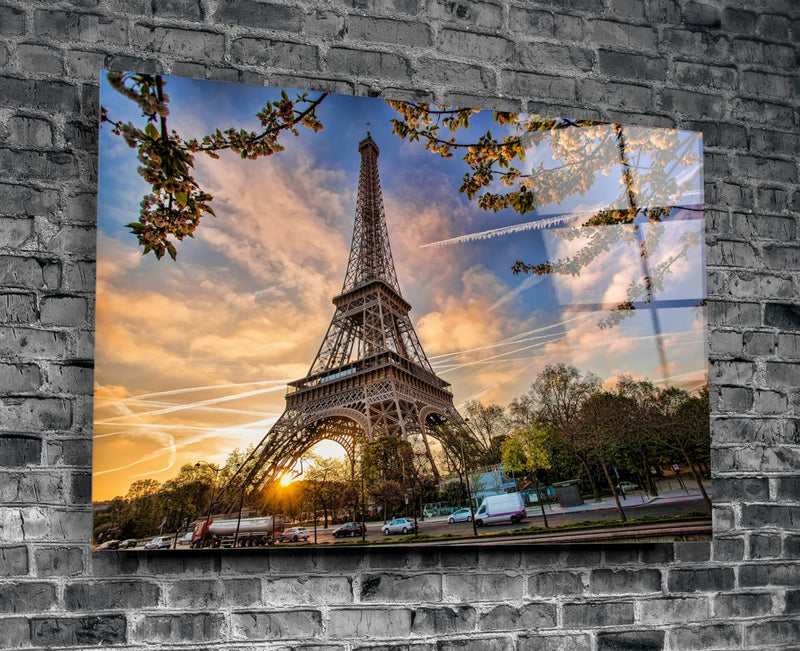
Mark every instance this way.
x=349 y=529
x=462 y=515
x=128 y=543
x=501 y=508
x=627 y=487
x=400 y=525
x=108 y=544
x=186 y=539
x=159 y=542
x=294 y=534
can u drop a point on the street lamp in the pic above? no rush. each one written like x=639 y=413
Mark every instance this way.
x=466 y=477
x=213 y=490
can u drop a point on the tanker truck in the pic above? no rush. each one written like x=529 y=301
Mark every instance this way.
x=220 y=531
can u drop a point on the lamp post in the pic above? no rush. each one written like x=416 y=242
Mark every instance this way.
x=213 y=490
x=466 y=477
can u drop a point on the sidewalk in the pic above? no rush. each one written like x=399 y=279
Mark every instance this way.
x=637 y=498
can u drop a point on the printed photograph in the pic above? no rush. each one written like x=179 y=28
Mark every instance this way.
x=338 y=320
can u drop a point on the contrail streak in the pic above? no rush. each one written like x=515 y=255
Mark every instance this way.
x=173 y=392
x=201 y=403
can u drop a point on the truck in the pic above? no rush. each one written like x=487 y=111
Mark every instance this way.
x=221 y=531
x=501 y=508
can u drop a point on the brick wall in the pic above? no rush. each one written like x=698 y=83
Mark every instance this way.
x=716 y=67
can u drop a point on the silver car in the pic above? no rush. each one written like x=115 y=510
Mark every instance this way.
x=462 y=515
x=159 y=542
x=294 y=534
x=400 y=525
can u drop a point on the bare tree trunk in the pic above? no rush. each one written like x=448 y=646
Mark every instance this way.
x=652 y=490
x=613 y=490
x=592 y=481
x=697 y=478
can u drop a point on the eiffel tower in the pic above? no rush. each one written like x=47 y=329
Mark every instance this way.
x=371 y=377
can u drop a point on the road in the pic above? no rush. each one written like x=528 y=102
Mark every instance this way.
x=440 y=527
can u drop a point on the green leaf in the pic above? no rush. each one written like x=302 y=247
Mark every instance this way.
x=171 y=250
x=151 y=130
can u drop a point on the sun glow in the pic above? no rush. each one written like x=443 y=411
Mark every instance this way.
x=286 y=479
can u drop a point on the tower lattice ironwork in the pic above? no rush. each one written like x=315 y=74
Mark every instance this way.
x=370 y=377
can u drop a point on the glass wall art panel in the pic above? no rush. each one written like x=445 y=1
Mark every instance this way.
x=331 y=320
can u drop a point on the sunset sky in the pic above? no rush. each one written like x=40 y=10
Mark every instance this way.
x=192 y=357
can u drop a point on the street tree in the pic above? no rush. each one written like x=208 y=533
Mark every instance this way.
x=525 y=452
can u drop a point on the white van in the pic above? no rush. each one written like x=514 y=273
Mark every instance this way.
x=500 y=508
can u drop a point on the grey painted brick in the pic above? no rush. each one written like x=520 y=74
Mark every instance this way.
x=111 y=595
x=369 y=622
x=686 y=101
x=730 y=313
x=481 y=587
x=392 y=588
x=27 y=200
x=199 y=627
x=553 y=583
x=531 y=616
x=705 y=76
x=69 y=379
x=63 y=310
x=717 y=636
x=267 y=15
x=198 y=44
x=30 y=131
x=625 y=65
x=783 y=516
x=728 y=549
x=39 y=59
x=531 y=21
x=748 y=285
x=20 y=450
x=191 y=9
x=28 y=487
x=737 y=399
x=29 y=272
x=773 y=633
x=773 y=26
x=388 y=30
x=484 y=47
x=742 y=605
x=606 y=32
x=59 y=561
x=443 y=620
x=695 y=551
x=12 y=20
x=559 y=642
x=27 y=597
x=369 y=64
x=726 y=342
x=748 y=430
x=711 y=579
x=734 y=372
x=702 y=14
x=771 y=54
x=34 y=414
x=696 y=43
x=473 y=643
x=673 y=610
x=788 y=488
x=13 y=561
x=783 y=374
x=323 y=23
x=640 y=640
x=760 y=344
x=539 y=86
x=15 y=632
x=543 y=56
x=307 y=590
x=206 y=593
x=455 y=75
x=20 y=378
x=738 y=20
x=792 y=603
x=771 y=402
x=467 y=13
x=91 y=630
x=603 y=581
x=781 y=315
x=591 y=615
